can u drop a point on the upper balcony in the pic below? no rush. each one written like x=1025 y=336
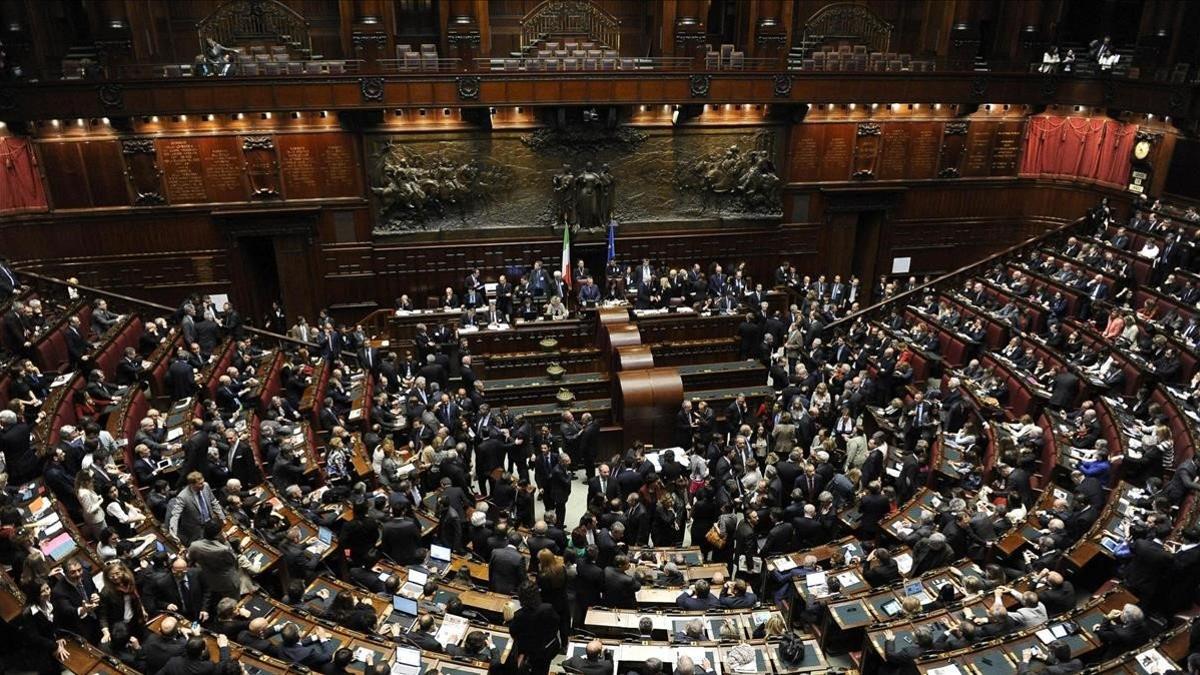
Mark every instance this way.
x=145 y=89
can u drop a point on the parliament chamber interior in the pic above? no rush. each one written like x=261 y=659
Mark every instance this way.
x=612 y=337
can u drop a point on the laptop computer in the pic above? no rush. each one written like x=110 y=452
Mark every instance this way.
x=325 y=535
x=415 y=584
x=439 y=558
x=406 y=607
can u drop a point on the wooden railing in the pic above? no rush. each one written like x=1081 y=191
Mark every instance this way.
x=58 y=287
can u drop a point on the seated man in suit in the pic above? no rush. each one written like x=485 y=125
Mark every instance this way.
x=697 y=597
x=315 y=654
x=900 y=659
x=592 y=662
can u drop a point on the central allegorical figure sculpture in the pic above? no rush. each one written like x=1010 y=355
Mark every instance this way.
x=584 y=200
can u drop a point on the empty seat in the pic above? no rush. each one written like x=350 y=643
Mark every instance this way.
x=608 y=63
x=273 y=68
x=428 y=49
x=860 y=49
x=611 y=54
x=737 y=60
x=250 y=68
x=278 y=49
x=512 y=64
x=628 y=64
x=844 y=49
x=595 y=53
x=590 y=64
x=807 y=64
x=552 y=46
x=712 y=60
x=295 y=68
x=262 y=57
x=588 y=45
x=570 y=45
x=579 y=53
x=537 y=64
x=553 y=63
x=412 y=61
x=571 y=63
x=283 y=58
x=561 y=53
x=543 y=53
x=858 y=62
x=258 y=49
x=314 y=67
x=401 y=49
x=429 y=61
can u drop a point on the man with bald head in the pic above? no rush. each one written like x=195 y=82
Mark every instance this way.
x=1056 y=593
x=160 y=647
x=592 y=662
x=255 y=636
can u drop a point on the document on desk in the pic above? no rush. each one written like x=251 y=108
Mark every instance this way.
x=1153 y=661
x=904 y=562
x=783 y=563
x=948 y=669
x=846 y=579
x=452 y=630
x=817 y=584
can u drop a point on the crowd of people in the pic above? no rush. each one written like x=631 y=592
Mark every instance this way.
x=847 y=430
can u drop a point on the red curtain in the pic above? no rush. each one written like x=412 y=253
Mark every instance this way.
x=1078 y=147
x=20 y=183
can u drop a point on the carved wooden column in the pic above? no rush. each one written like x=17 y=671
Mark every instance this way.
x=367 y=31
x=770 y=24
x=461 y=33
x=690 y=34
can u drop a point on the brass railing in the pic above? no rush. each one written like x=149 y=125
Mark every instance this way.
x=570 y=17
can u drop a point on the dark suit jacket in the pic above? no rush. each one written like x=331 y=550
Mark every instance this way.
x=506 y=570
x=164 y=590
x=182 y=665
x=401 y=538
x=620 y=589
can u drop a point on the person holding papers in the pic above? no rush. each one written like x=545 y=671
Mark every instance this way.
x=1054 y=659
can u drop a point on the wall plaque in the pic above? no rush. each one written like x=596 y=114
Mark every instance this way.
x=838 y=152
x=925 y=140
x=1006 y=148
x=262 y=166
x=893 y=156
x=183 y=174
x=315 y=166
x=977 y=160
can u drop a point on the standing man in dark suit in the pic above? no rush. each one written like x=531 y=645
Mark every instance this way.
x=1064 y=389
x=506 y=567
x=559 y=490
x=179 y=590
x=589 y=439
x=620 y=588
x=77 y=346
x=75 y=598
x=181 y=377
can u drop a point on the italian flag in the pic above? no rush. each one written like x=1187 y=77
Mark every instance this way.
x=566 y=255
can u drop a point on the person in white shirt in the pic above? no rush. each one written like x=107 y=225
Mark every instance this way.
x=1031 y=612
x=1050 y=60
